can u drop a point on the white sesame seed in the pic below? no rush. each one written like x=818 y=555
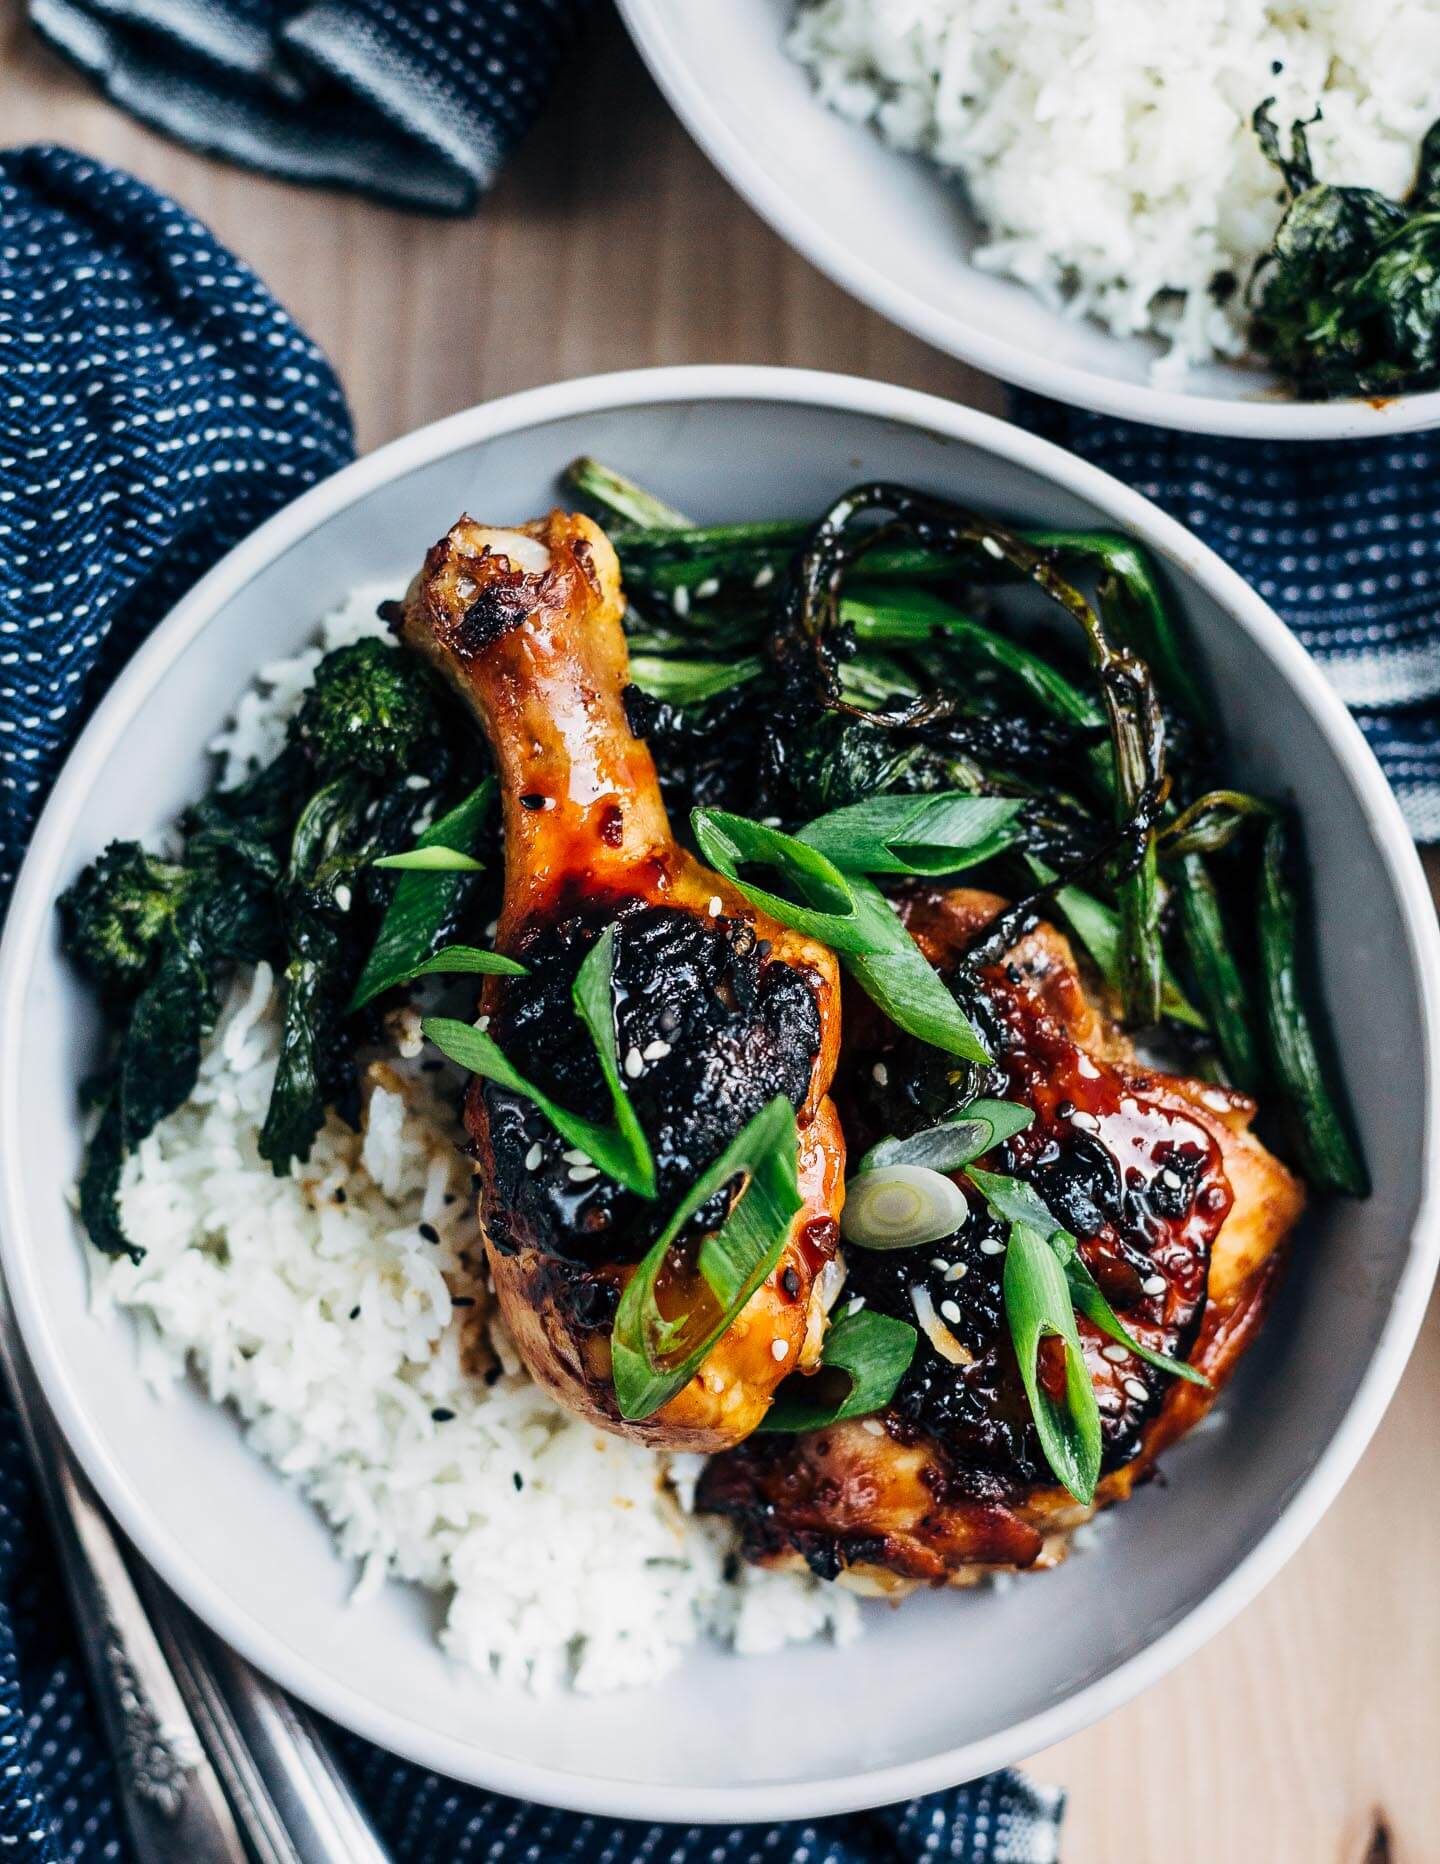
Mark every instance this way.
x=939 y=1262
x=714 y=907
x=534 y=1156
x=582 y=1174
x=992 y=548
x=950 y=1309
x=764 y=576
x=1153 y=1284
x=880 y=1074
x=957 y=1271
x=482 y=1023
x=343 y=898
x=704 y=590
x=634 y=1063
x=1115 y=1353
x=656 y=1050
x=856 y=1305
x=417 y=783
x=576 y=1155
x=779 y=1349
x=492 y=928
x=875 y=1428
x=1135 y=1388
x=1085 y=1121
x=992 y=1246
x=680 y=601
x=770 y=821
x=1171 y=1179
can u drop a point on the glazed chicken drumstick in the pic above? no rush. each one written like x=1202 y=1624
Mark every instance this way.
x=1180 y=1215
x=718 y=1009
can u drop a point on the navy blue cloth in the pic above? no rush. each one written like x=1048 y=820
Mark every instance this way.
x=417 y=102
x=155 y=405
x=1342 y=539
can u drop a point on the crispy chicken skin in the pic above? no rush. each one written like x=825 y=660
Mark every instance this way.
x=718 y=1008
x=1180 y=1212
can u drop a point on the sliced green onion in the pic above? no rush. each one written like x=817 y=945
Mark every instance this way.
x=1085 y=1292
x=873 y=945
x=1330 y=1158
x=621 y=1151
x=954 y=1143
x=655 y=1353
x=930 y=835
x=872 y=1351
x=1037 y=1307
x=431 y=860
x=900 y=1207
x=421 y=904
x=1211 y=822
x=463 y=961
x=1097 y=926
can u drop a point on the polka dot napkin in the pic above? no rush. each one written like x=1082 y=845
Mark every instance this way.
x=1342 y=539
x=417 y=103
x=155 y=406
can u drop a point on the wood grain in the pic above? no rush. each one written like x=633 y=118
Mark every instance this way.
x=1307 y=1732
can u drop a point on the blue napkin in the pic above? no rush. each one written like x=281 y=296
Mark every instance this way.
x=155 y=405
x=1342 y=539
x=417 y=103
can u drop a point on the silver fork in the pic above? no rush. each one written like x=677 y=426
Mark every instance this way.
x=214 y=1764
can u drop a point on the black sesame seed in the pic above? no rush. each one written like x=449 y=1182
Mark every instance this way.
x=518 y=1480
x=441 y=1415
x=532 y=800
x=790 y=1282
x=492 y=1377
x=340 y=1194
x=462 y=1300
x=429 y=1232
x=354 y=1313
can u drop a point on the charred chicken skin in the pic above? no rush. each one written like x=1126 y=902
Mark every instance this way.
x=718 y=1009
x=1180 y=1214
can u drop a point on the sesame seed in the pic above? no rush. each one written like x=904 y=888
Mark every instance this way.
x=956 y=1272
x=656 y=1050
x=1135 y=1388
x=770 y=821
x=344 y=898
x=704 y=590
x=1171 y=1179
x=992 y=549
x=1153 y=1284
x=576 y=1156
x=429 y=1232
x=680 y=601
x=417 y=783
x=482 y=1023
x=534 y=1156
x=1115 y=1353
x=950 y=1310
x=939 y=1262
x=992 y=1246
x=880 y=1074
x=582 y=1174
x=492 y=928
x=764 y=576
x=441 y=1415
x=714 y=907
x=856 y=1305
x=1085 y=1121
x=779 y=1349
x=517 y=1479
x=875 y=1428
x=634 y=1063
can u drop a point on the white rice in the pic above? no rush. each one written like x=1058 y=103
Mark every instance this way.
x=1106 y=145
x=317 y=1308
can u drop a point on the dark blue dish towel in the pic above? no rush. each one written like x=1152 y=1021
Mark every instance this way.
x=155 y=405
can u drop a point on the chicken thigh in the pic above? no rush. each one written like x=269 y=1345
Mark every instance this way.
x=1180 y=1214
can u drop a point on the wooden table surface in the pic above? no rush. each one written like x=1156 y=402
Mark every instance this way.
x=1308 y=1732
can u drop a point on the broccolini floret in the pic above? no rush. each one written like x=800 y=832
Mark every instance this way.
x=373 y=710
x=117 y=912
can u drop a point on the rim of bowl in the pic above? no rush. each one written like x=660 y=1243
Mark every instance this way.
x=1354 y=418
x=29 y=918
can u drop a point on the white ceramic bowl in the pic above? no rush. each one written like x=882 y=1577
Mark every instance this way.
x=893 y=231
x=950 y=1685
